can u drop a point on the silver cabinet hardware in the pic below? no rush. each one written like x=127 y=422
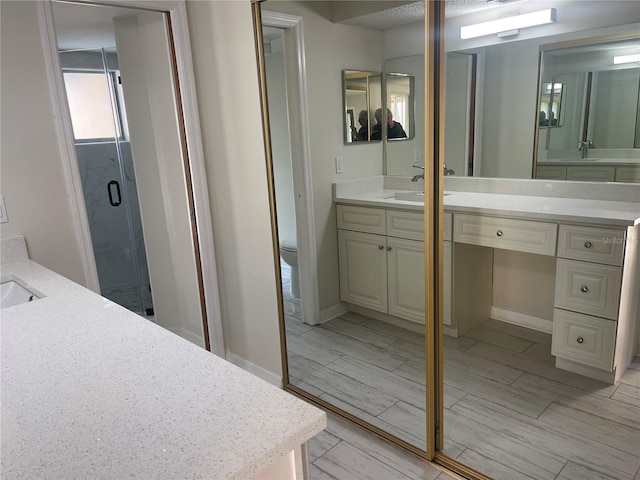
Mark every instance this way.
x=499 y=233
x=579 y=339
x=587 y=244
x=584 y=289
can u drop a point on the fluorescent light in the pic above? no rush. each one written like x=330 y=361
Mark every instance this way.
x=532 y=19
x=626 y=59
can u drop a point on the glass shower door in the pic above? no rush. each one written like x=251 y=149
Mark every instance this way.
x=108 y=179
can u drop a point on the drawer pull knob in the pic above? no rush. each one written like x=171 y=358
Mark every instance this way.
x=580 y=340
x=388 y=249
x=584 y=289
x=380 y=247
x=587 y=244
x=499 y=233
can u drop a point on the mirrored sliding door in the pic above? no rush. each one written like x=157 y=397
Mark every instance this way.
x=358 y=342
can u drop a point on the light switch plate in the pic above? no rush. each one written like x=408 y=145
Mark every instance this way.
x=3 y=211
x=339 y=164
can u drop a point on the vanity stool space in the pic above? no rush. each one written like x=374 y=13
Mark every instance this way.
x=597 y=275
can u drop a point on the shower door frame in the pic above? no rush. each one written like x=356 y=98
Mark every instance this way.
x=191 y=143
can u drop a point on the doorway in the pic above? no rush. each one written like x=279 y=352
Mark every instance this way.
x=103 y=150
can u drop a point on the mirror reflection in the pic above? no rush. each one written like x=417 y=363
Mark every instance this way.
x=362 y=93
x=400 y=105
x=356 y=340
x=593 y=99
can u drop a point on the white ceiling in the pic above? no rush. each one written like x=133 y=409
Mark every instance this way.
x=89 y=26
x=85 y=26
x=413 y=12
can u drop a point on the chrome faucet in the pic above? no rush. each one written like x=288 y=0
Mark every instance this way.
x=447 y=171
x=420 y=175
x=584 y=148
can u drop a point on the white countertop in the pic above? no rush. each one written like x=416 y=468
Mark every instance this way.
x=589 y=161
x=91 y=390
x=578 y=210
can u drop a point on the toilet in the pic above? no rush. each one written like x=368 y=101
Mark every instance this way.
x=289 y=254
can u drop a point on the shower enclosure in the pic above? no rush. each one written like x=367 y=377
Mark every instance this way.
x=105 y=162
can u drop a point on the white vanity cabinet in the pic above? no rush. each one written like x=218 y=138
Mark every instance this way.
x=381 y=257
x=590 y=319
x=587 y=171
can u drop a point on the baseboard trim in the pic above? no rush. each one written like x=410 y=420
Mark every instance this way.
x=256 y=370
x=187 y=335
x=522 y=319
x=333 y=312
x=383 y=317
x=586 y=370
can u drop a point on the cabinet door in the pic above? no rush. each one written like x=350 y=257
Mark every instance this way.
x=405 y=261
x=363 y=269
x=551 y=173
x=591 y=174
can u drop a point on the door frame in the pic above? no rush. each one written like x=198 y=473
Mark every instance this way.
x=203 y=241
x=298 y=110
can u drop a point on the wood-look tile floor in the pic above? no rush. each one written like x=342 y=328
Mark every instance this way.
x=344 y=451
x=508 y=411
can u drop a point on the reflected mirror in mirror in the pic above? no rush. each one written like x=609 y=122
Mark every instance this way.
x=362 y=94
x=400 y=95
x=401 y=156
x=593 y=132
x=551 y=105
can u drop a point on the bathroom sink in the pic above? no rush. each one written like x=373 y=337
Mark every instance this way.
x=417 y=197
x=12 y=293
x=409 y=196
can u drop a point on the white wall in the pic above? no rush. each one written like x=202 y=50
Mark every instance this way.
x=32 y=179
x=330 y=48
x=226 y=78
x=281 y=144
x=145 y=67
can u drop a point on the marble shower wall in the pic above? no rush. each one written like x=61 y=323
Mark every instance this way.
x=98 y=164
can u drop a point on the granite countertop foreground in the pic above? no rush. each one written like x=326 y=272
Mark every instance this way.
x=91 y=390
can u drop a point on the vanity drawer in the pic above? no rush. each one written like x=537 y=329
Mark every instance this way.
x=362 y=219
x=447 y=232
x=599 y=245
x=628 y=174
x=584 y=339
x=551 y=172
x=519 y=235
x=590 y=173
x=588 y=288
x=408 y=225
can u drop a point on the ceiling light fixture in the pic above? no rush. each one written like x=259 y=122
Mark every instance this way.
x=626 y=59
x=509 y=25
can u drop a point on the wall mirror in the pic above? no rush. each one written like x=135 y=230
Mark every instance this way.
x=400 y=156
x=362 y=93
x=132 y=148
x=400 y=102
x=508 y=131
x=593 y=132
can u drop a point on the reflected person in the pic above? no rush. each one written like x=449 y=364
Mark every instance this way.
x=363 y=120
x=394 y=129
